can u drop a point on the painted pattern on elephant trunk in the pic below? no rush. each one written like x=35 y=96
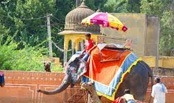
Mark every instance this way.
x=73 y=71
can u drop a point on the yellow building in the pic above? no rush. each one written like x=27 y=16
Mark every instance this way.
x=74 y=31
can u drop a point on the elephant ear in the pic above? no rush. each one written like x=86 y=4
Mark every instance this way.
x=70 y=63
x=73 y=58
x=75 y=67
x=77 y=70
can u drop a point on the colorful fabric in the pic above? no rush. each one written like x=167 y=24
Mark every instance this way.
x=119 y=100
x=107 y=68
x=105 y=20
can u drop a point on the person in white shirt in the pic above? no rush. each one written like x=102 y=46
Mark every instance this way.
x=158 y=92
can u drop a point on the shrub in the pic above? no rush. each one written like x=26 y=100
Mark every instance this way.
x=28 y=59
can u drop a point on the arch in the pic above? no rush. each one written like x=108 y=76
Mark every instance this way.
x=78 y=41
x=70 y=44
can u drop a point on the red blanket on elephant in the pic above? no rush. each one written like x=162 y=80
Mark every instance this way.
x=104 y=64
x=107 y=68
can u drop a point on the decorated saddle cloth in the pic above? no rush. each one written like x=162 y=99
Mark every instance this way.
x=107 y=69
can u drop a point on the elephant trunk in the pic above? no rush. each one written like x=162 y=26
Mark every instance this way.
x=65 y=83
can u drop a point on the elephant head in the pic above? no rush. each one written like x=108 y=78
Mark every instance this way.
x=73 y=70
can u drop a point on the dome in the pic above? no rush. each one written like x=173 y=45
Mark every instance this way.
x=73 y=20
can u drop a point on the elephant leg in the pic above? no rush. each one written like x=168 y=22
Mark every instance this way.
x=140 y=84
x=137 y=81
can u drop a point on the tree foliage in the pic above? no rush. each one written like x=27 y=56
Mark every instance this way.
x=27 y=20
x=96 y=4
x=123 y=6
x=24 y=21
x=164 y=9
x=29 y=58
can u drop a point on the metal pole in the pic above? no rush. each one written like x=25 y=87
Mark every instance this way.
x=65 y=57
x=77 y=3
x=157 y=43
x=49 y=35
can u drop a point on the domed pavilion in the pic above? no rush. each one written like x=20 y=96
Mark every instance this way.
x=74 y=31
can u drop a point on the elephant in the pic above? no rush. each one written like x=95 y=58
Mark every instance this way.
x=136 y=80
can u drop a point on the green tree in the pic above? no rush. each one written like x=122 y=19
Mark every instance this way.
x=133 y=6
x=28 y=59
x=120 y=6
x=96 y=4
x=164 y=9
x=167 y=33
x=116 y=6
x=27 y=20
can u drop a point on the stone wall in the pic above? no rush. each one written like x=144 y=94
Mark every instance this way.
x=143 y=30
x=21 y=87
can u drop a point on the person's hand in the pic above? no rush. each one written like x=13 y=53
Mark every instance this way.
x=81 y=56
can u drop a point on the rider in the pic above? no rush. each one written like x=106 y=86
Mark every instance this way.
x=89 y=43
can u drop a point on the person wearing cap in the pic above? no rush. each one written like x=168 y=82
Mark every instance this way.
x=128 y=96
x=158 y=91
